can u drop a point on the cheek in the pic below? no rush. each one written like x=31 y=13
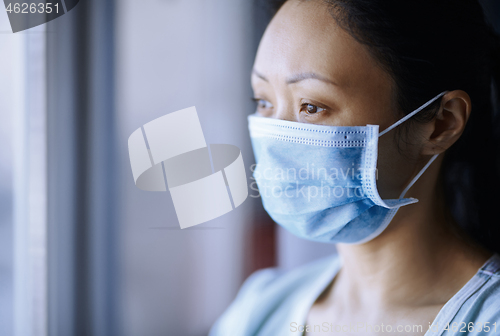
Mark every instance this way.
x=366 y=103
x=395 y=165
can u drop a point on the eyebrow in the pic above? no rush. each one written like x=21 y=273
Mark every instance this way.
x=299 y=77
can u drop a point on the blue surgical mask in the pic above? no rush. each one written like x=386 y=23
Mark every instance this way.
x=319 y=182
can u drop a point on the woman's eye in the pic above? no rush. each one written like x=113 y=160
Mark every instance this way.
x=263 y=104
x=311 y=109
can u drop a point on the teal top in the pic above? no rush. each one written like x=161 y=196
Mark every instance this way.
x=273 y=302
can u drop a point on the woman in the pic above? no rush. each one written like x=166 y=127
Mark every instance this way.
x=325 y=73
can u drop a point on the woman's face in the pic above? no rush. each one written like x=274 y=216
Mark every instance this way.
x=309 y=70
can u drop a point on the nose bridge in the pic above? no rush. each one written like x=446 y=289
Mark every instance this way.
x=285 y=109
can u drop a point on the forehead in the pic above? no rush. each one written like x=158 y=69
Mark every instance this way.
x=304 y=37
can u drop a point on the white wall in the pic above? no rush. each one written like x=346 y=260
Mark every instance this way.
x=172 y=55
x=7 y=65
x=23 y=224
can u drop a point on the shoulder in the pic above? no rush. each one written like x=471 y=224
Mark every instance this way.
x=265 y=292
x=479 y=310
x=485 y=302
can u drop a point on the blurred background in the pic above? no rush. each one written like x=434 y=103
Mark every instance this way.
x=82 y=250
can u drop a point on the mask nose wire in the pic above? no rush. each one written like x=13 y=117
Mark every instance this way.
x=409 y=115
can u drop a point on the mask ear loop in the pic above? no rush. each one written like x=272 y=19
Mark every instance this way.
x=409 y=115
x=402 y=120
x=418 y=176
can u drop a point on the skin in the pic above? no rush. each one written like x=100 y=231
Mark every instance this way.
x=406 y=274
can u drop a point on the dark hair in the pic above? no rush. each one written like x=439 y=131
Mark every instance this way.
x=430 y=46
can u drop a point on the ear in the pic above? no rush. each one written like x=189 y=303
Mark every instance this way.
x=449 y=123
